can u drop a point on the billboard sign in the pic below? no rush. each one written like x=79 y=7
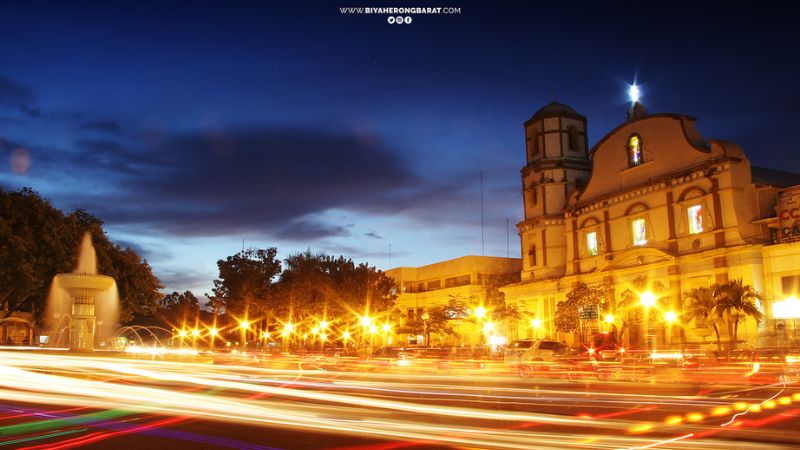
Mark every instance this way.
x=789 y=214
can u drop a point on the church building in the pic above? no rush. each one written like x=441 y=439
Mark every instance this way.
x=652 y=206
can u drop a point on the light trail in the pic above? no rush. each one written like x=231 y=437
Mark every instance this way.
x=375 y=405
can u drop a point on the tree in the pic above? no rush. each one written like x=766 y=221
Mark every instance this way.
x=700 y=306
x=177 y=309
x=566 y=317
x=441 y=318
x=245 y=281
x=735 y=302
x=317 y=286
x=37 y=241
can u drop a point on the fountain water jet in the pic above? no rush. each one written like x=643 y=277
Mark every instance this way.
x=83 y=287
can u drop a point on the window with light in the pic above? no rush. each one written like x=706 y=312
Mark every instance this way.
x=695 y=219
x=639 y=232
x=591 y=243
x=635 y=154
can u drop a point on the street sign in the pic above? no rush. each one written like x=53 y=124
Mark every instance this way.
x=588 y=312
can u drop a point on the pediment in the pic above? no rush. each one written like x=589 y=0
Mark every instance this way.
x=637 y=257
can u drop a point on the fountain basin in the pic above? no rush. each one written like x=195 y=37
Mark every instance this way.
x=84 y=281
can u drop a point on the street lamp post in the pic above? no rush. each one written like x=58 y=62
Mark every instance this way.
x=480 y=314
x=647 y=299
x=244 y=325
x=425 y=318
x=212 y=333
x=670 y=317
x=536 y=324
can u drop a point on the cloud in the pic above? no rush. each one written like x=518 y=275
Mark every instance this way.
x=181 y=280
x=17 y=96
x=267 y=180
x=273 y=182
x=103 y=126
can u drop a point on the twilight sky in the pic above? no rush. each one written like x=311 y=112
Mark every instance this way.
x=190 y=126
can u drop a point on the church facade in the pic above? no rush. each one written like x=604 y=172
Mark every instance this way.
x=651 y=206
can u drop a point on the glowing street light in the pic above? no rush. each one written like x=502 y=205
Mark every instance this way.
x=245 y=326
x=647 y=299
x=536 y=324
x=346 y=335
x=670 y=317
x=195 y=333
x=323 y=324
x=480 y=312
x=609 y=318
x=213 y=332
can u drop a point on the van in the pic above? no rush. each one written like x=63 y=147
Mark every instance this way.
x=524 y=351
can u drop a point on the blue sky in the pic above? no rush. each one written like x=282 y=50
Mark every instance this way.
x=190 y=127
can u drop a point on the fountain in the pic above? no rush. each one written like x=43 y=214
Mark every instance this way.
x=90 y=297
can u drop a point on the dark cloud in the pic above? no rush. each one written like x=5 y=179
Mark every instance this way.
x=103 y=126
x=147 y=252
x=373 y=235
x=17 y=96
x=272 y=181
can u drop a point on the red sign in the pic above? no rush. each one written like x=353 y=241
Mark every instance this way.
x=789 y=214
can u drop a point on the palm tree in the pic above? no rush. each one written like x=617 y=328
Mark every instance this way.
x=701 y=307
x=736 y=301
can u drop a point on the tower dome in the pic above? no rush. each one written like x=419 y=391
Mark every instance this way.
x=555 y=109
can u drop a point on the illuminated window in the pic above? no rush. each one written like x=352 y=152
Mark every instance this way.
x=591 y=243
x=639 y=232
x=532 y=255
x=695 y=219
x=635 y=154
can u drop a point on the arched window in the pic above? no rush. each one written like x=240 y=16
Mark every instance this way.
x=635 y=153
x=532 y=255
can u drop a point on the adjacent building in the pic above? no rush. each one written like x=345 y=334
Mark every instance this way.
x=468 y=279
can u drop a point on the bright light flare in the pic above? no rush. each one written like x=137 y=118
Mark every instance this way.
x=648 y=299
x=634 y=93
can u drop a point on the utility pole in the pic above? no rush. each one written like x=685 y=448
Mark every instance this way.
x=507 y=254
x=483 y=251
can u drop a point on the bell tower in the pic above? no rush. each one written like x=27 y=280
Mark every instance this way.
x=556 y=149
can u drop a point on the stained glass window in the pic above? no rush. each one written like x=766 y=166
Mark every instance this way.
x=695 y=219
x=591 y=243
x=639 y=232
x=635 y=155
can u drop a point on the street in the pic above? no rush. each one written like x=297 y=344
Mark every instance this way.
x=52 y=400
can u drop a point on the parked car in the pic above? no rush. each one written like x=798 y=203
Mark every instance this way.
x=528 y=355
